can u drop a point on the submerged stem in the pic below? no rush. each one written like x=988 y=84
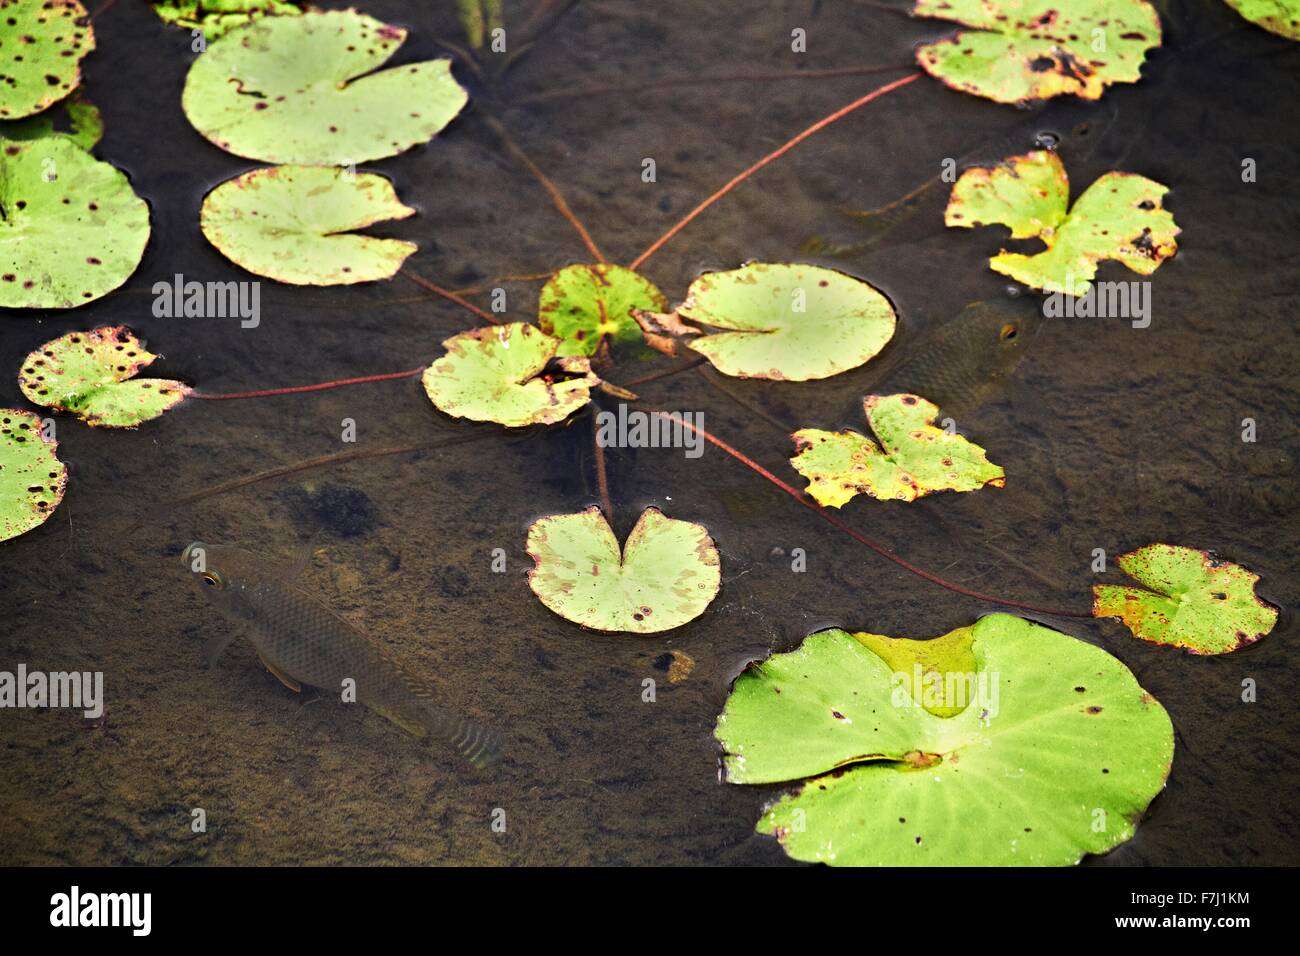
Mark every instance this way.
x=447 y=294
x=295 y=389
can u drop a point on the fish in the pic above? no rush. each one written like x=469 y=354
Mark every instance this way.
x=301 y=641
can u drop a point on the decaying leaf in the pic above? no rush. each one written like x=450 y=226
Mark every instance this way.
x=1277 y=16
x=84 y=122
x=42 y=43
x=32 y=479
x=583 y=305
x=217 y=17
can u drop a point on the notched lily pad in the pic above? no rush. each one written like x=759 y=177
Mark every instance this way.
x=1118 y=217
x=1023 y=50
x=1190 y=599
x=304 y=90
x=914 y=457
x=92 y=375
x=217 y=17
x=666 y=575
x=508 y=374
x=291 y=224
x=42 y=43
x=583 y=305
x=32 y=479
x=1277 y=16
x=1055 y=750
x=85 y=125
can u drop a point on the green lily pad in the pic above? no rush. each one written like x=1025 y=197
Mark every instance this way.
x=217 y=17
x=787 y=322
x=1118 y=217
x=85 y=125
x=32 y=479
x=71 y=228
x=584 y=304
x=43 y=42
x=1277 y=16
x=91 y=374
x=1022 y=50
x=499 y=374
x=914 y=458
x=290 y=223
x=1194 y=600
x=666 y=575
x=1056 y=752
x=304 y=90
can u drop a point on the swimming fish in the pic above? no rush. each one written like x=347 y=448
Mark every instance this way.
x=301 y=641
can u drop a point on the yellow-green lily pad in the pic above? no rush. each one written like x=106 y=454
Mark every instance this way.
x=32 y=479
x=1189 y=599
x=42 y=43
x=583 y=305
x=664 y=576
x=217 y=17
x=1277 y=16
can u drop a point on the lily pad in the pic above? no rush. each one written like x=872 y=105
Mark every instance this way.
x=217 y=17
x=71 y=228
x=1277 y=16
x=499 y=374
x=1023 y=50
x=1118 y=217
x=85 y=125
x=32 y=479
x=1190 y=599
x=666 y=575
x=91 y=374
x=914 y=458
x=584 y=304
x=1056 y=752
x=304 y=90
x=787 y=322
x=43 y=42
x=290 y=223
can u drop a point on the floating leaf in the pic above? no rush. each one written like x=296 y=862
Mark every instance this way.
x=583 y=304
x=1023 y=50
x=92 y=375
x=497 y=374
x=291 y=224
x=791 y=322
x=666 y=575
x=85 y=125
x=1195 y=600
x=32 y=478
x=217 y=17
x=914 y=457
x=1055 y=753
x=43 y=43
x=302 y=90
x=1277 y=16
x=71 y=228
x=1118 y=217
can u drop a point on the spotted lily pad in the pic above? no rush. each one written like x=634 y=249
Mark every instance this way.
x=32 y=478
x=42 y=43
x=290 y=223
x=84 y=122
x=914 y=457
x=304 y=90
x=217 y=17
x=583 y=305
x=1189 y=599
x=92 y=374
x=666 y=574
x=1277 y=16
x=1055 y=753
x=500 y=374
x=1022 y=50
x=71 y=228
x=1118 y=217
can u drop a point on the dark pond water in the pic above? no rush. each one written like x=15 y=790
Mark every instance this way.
x=1112 y=437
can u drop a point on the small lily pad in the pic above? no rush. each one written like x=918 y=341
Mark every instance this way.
x=291 y=224
x=1190 y=599
x=84 y=122
x=914 y=458
x=304 y=90
x=584 y=304
x=1118 y=217
x=1277 y=16
x=92 y=375
x=71 y=228
x=666 y=575
x=1023 y=50
x=217 y=17
x=32 y=479
x=1055 y=751
x=44 y=42
x=499 y=374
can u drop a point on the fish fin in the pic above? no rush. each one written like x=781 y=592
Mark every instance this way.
x=214 y=646
x=410 y=726
x=294 y=571
x=281 y=676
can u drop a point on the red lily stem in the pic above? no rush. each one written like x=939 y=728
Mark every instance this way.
x=424 y=283
x=295 y=389
x=602 y=479
x=737 y=180
x=880 y=549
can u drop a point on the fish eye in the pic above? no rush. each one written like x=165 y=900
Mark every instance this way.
x=1008 y=332
x=212 y=579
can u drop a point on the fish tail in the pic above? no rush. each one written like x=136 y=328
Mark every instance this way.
x=471 y=740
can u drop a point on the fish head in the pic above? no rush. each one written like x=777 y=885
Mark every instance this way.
x=999 y=333
x=223 y=574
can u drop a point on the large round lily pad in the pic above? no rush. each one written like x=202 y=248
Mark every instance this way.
x=32 y=479
x=72 y=229
x=303 y=90
x=42 y=43
x=291 y=224
x=1190 y=599
x=666 y=575
x=1277 y=16
x=92 y=375
x=584 y=304
x=1055 y=752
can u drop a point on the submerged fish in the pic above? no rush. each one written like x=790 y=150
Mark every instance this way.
x=303 y=642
